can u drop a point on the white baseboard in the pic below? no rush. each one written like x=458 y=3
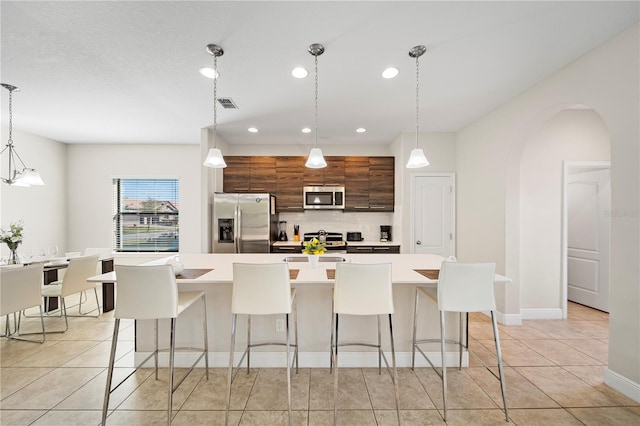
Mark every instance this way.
x=305 y=359
x=622 y=385
x=541 y=313
x=508 y=319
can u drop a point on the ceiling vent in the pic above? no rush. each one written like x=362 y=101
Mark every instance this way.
x=227 y=103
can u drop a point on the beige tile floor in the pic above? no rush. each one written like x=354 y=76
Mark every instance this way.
x=554 y=374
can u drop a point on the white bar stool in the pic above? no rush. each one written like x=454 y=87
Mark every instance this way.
x=462 y=288
x=151 y=292
x=362 y=289
x=19 y=290
x=262 y=289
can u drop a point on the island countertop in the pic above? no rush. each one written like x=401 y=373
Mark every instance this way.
x=213 y=273
x=403 y=267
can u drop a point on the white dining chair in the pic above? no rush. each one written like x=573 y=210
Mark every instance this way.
x=74 y=281
x=363 y=289
x=19 y=290
x=151 y=293
x=462 y=288
x=262 y=289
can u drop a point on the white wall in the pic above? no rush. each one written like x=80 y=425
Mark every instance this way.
x=440 y=150
x=574 y=134
x=489 y=156
x=43 y=209
x=91 y=169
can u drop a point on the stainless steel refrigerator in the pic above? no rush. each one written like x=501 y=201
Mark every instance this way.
x=244 y=223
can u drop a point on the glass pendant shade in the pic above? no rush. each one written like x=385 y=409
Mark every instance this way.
x=417 y=159
x=215 y=159
x=32 y=178
x=316 y=159
x=20 y=182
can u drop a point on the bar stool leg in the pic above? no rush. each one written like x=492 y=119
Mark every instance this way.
x=460 y=341
x=206 y=336
x=379 y=347
x=248 y=342
x=500 y=366
x=444 y=365
x=171 y=366
x=230 y=375
x=286 y=321
x=112 y=358
x=155 y=341
x=335 y=375
x=295 y=324
x=395 y=369
x=415 y=332
x=332 y=342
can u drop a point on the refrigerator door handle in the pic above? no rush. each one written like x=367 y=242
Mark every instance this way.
x=239 y=228
x=235 y=229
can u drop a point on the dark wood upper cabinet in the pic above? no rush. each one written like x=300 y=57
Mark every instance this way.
x=263 y=174
x=381 y=183
x=356 y=183
x=289 y=183
x=237 y=174
x=368 y=181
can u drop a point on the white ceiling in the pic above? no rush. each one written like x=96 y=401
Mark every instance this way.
x=127 y=72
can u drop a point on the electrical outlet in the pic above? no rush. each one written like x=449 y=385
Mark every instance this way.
x=280 y=325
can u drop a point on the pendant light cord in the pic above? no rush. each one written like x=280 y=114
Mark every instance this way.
x=10 y=141
x=417 y=98
x=316 y=103
x=215 y=98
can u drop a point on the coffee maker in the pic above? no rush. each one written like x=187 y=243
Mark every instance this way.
x=385 y=233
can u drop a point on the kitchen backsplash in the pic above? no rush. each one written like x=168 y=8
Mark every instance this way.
x=336 y=221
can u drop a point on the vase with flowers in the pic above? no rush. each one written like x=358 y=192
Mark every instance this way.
x=12 y=237
x=313 y=249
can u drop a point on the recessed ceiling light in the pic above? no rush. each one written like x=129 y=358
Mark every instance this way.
x=361 y=130
x=306 y=130
x=299 y=72
x=209 y=72
x=252 y=130
x=390 y=72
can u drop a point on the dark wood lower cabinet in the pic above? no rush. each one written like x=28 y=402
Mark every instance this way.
x=373 y=249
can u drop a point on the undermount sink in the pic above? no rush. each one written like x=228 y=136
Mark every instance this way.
x=320 y=258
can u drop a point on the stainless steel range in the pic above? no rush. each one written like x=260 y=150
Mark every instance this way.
x=334 y=242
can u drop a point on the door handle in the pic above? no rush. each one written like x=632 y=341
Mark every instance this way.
x=418 y=242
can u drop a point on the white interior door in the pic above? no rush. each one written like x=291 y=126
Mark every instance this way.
x=589 y=228
x=433 y=214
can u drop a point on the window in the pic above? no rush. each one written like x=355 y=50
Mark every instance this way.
x=145 y=215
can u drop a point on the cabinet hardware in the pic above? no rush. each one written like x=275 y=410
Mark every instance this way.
x=377 y=207
x=381 y=248
x=241 y=189
x=360 y=207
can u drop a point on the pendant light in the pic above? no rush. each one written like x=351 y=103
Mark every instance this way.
x=26 y=177
x=214 y=158
x=316 y=159
x=417 y=158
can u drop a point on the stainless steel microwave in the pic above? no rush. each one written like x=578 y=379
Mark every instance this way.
x=323 y=197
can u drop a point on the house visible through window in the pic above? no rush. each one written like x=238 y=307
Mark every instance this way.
x=145 y=215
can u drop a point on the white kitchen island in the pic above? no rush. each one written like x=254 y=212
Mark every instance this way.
x=314 y=292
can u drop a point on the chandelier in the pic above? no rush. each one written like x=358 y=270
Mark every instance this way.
x=18 y=176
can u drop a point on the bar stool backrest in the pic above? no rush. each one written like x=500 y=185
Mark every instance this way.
x=20 y=288
x=146 y=292
x=261 y=289
x=363 y=289
x=76 y=274
x=466 y=287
